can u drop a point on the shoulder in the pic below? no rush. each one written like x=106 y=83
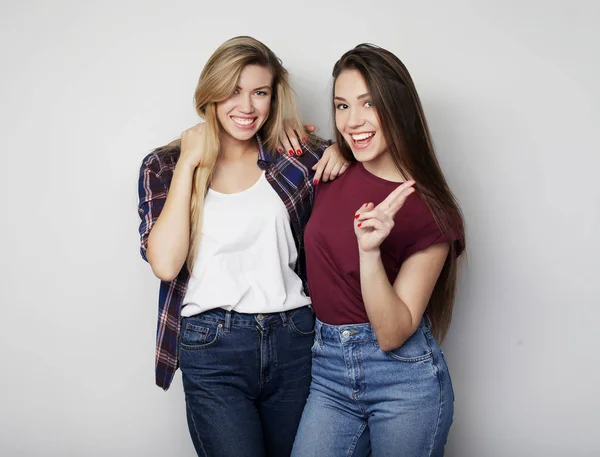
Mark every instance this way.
x=424 y=229
x=314 y=148
x=160 y=162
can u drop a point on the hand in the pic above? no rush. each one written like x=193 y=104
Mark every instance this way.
x=372 y=224
x=289 y=139
x=191 y=145
x=331 y=165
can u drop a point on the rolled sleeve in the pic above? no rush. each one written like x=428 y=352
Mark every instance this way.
x=152 y=196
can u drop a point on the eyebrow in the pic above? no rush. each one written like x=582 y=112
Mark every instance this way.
x=258 y=88
x=366 y=94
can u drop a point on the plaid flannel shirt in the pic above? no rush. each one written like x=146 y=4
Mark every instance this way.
x=291 y=177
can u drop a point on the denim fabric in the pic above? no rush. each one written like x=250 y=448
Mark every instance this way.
x=246 y=378
x=362 y=399
x=292 y=179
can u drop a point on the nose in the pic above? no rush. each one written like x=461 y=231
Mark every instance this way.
x=246 y=104
x=355 y=119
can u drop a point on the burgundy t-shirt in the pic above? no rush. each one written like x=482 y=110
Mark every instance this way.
x=332 y=249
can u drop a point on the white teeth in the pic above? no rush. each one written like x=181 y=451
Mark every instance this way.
x=242 y=121
x=362 y=136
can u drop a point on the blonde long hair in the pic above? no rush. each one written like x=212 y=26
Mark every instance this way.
x=217 y=82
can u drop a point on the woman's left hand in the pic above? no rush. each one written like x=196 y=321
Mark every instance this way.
x=331 y=165
x=372 y=224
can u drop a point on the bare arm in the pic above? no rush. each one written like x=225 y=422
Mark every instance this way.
x=394 y=310
x=169 y=239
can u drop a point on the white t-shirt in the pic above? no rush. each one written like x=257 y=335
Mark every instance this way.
x=246 y=256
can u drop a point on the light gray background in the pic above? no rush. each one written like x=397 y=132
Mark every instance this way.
x=88 y=88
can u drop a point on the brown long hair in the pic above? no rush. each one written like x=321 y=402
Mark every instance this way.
x=409 y=143
x=217 y=82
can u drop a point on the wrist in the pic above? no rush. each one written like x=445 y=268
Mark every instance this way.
x=185 y=166
x=374 y=254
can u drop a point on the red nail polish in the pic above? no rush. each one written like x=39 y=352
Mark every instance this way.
x=291 y=152
x=280 y=150
x=303 y=139
x=298 y=152
x=315 y=182
x=357 y=216
x=359 y=224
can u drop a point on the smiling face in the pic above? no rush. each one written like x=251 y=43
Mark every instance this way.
x=243 y=114
x=356 y=117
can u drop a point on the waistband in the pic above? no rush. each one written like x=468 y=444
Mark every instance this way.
x=353 y=333
x=234 y=319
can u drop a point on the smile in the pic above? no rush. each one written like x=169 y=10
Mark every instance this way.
x=244 y=122
x=362 y=140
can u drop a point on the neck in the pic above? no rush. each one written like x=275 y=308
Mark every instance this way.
x=232 y=149
x=385 y=168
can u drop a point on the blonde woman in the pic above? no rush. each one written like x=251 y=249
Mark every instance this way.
x=223 y=218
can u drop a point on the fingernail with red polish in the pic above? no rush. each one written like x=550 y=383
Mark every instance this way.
x=359 y=224
x=357 y=216
x=291 y=152
x=299 y=152
x=315 y=182
x=303 y=139
x=280 y=150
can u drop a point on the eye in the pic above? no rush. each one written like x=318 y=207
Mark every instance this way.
x=235 y=92
x=341 y=106
x=369 y=104
x=261 y=93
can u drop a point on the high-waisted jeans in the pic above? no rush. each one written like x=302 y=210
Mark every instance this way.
x=364 y=400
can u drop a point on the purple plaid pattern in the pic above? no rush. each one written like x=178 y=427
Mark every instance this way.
x=291 y=177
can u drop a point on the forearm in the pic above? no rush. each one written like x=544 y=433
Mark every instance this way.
x=168 y=242
x=390 y=317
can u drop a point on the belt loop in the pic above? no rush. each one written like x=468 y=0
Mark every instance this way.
x=318 y=328
x=227 y=321
x=427 y=320
x=284 y=318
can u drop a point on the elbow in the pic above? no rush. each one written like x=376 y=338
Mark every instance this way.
x=164 y=274
x=389 y=341
x=165 y=271
x=163 y=267
x=388 y=346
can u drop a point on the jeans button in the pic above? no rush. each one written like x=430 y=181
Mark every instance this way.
x=260 y=317
x=345 y=334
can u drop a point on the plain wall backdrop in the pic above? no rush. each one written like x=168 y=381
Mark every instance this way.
x=510 y=89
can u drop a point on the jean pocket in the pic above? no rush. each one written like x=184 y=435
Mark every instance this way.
x=414 y=349
x=302 y=321
x=199 y=335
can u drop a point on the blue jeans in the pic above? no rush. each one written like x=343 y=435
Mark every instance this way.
x=246 y=378
x=362 y=399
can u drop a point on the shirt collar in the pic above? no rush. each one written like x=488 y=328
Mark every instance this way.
x=265 y=159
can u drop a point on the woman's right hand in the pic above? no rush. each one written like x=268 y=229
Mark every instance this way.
x=289 y=143
x=191 y=145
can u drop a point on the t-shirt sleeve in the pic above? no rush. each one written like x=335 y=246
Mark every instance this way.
x=429 y=234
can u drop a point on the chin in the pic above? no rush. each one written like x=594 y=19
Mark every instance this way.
x=363 y=156
x=241 y=135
